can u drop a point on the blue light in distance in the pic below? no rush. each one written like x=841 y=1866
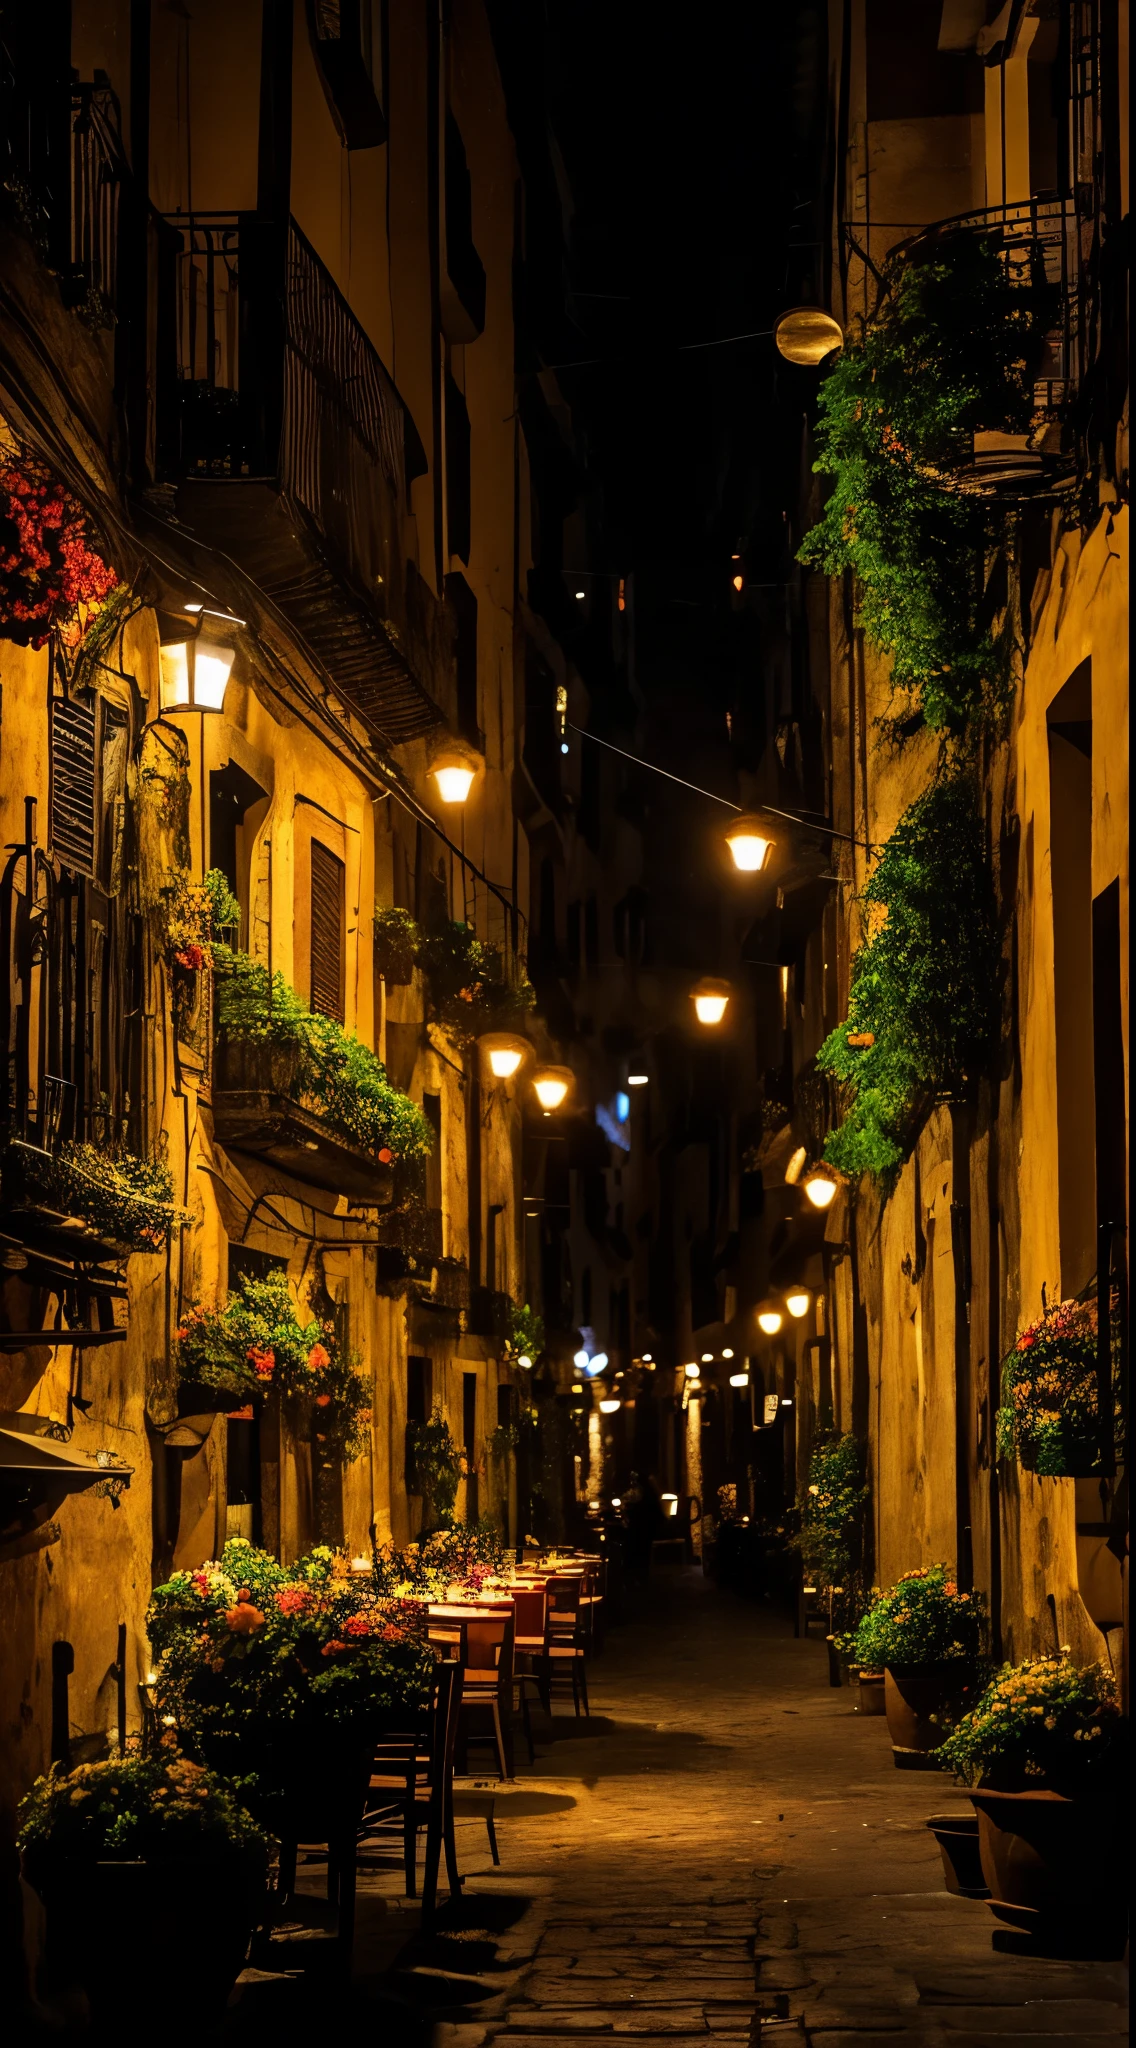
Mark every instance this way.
x=622 y=1106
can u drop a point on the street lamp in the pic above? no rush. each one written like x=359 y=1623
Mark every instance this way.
x=749 y=843
x=807 y=334
x=453 y=768
x=691 y=1371
x=797 y=1303
x=739 y=1379
x=504 y=1052
x=610 y=1407
x=551 y=1086
x=821 y=1187
x=711 y=999
x=194 y=666
x=770 y=1320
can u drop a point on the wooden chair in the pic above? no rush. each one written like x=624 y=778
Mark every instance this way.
x=564 y=1643
x=412 y=1787
x=530 y=1663
x=486 y=1656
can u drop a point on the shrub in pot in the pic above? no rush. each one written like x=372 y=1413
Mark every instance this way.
x=281 y=1677
x=1043 y=1749
x=926 y=1636
x=126 y=1855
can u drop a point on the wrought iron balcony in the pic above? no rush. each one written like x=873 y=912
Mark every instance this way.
x=259 y=1107
x=293 y=451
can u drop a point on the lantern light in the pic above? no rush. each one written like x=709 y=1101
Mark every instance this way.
x=525 y=1362
x=807 y=334
x=610 y=1407
x=797 y=1302
x=637 y=1080
x=551 y=1085
x=454 y=768
x=727 y=1353
x=647 y=1359
x=617 y=1500
x=770 y=1320
x=795 y=1167
x=711 y=999
x=193 y=666
x=821 y=1187
x=749 y=843
x=707 y=1358
x=580 y=1361
x=504 y=1052
x=597 y=1364
x=739 y=1379
x=691 y=1371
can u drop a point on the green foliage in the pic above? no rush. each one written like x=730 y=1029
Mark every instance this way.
x=340 y=1076
x=426 y=1569
x=435 y=1468
x=832 y=1509
x=1050 y=1414
x=1044 y=1720
x=396 y=943
x=273 y=1673
x=922 y=984
x=224 y=909
x=468 y=994
x=255 y=1340
x=124 y=1198
x=924 y=1619
x=136 y=1808
x=526 y=1335
x=952 y=350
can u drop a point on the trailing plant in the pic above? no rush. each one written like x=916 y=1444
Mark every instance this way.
x=194 y=913
x=921 y=1009
x=922 y=1619
x=396 y=943
x=830 y=1539
x=525 y=1337
x=256 y=1341
x=273 y=1673
x=435 y=1468
x=952 y=349
x=340 y=1076
x=124 y=1198
x=468 y=994
x=1045 y=1720
x=1050 y=1414
x=52 y=577
x=501 y=1440
x=138 y=1808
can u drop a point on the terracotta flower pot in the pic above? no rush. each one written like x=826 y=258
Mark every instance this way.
x=1053 y=1862
x=872 y=1693
x=915 y=1701
x=957 y=1837
x=120 y=1930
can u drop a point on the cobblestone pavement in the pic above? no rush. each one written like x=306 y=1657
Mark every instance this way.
x=725 y=1838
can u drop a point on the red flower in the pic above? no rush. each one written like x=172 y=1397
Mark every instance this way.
x=385 y=1155
x=317 y=1358
x=293 y=1599
x=192 y=957
x=357 y=1625
x=262 y=1361
x=323 y=1400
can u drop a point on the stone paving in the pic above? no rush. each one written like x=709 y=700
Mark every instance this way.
x=724 y=1850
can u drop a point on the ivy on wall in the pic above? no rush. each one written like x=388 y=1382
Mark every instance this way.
x=921 y=1010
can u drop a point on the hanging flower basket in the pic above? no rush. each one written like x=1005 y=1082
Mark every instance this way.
x=255 y=1343
x=1050 y=1414
x=396 y=946
x=127 y=1200
x=51 y=574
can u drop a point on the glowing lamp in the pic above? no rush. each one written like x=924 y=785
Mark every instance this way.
x=597 y=1365
x=691 y=1371
x=580 y=1361
x=797 y=1303
x=617 y=1500
x=647 y=1359
x=551 y=1086
x=795 y=1167
x=454 y=780
x=707 y=1358
x=821 y=1188
x=193 y=666
x=770 y=1320
x=749 y=843
x=727 y=1353
x=738 y=582
x=525 y=1362
x=739 y=1379
x=711 y=1000
x=807 y=334
x=503 y=1052
x=610 y=1407
x=637 y=1080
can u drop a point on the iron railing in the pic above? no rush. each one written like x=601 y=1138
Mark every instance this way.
x=63 y=169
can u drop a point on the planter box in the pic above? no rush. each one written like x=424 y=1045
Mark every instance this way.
x=914 y=1701
x=1056 y=1865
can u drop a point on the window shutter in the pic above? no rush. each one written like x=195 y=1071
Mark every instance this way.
x=327 y=932
x=74 y=837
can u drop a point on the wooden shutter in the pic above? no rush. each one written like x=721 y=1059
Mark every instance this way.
x=74 y=838
x=327 y=932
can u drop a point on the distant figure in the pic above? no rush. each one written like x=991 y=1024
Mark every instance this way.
x=644 y=1515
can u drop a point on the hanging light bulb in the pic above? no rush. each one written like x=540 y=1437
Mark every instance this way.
x=580 y=1361
x=525 y=1363
x=821 y=1187
x=691 y=1371
x=807 y=334
x=797 y=1302
x=749 y=843
x=770 y=1320
x=727 y=1353
x=711 y=999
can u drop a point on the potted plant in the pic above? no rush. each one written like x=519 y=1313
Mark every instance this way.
x=1043 y=1750
x=925 y=1634
x=127 y=1855
x=468 y=992
x=435 y=1469
x=1050 y=1415
x=126 y=1200
x=281 y=1678
x=396 y=945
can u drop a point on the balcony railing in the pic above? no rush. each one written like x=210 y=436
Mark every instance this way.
x=270 y=381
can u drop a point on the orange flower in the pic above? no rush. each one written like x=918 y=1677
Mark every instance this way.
x=262 y=1360
x=323 y=1400
x=318 y=1358
x=244 y=1619
x=293 y=1599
